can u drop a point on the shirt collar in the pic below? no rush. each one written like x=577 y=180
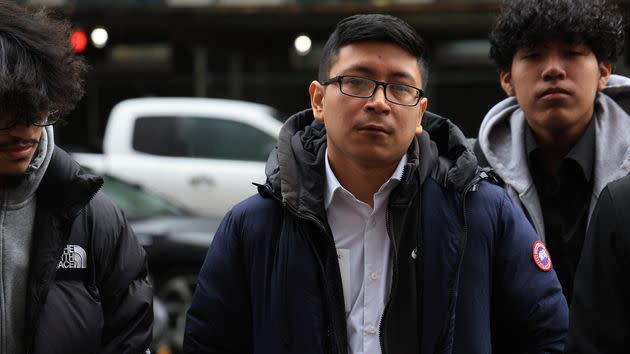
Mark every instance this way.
x=582 y=152
x=333 y=184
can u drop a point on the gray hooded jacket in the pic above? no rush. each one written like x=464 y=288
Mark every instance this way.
x=502 y=141
x=17 y=217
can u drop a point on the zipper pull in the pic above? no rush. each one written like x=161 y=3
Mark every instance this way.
x=416 y=254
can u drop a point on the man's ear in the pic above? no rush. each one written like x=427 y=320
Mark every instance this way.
x=423 y=108
x=605 y=69
x=316 y=90
x=506 y=83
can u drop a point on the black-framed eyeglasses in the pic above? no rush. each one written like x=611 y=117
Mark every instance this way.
x=361 y=87
x=38 y=121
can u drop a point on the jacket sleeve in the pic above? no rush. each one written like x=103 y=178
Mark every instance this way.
x=126 y=293
x=219 y=318
x=530 y=312
x=600 y=309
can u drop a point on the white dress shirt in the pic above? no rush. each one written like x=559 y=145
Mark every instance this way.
x=365 y=261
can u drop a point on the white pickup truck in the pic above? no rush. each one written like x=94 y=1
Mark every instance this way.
x=202 y=153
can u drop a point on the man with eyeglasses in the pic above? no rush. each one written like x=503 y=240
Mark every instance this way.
x=370 y=234
x=73 y=278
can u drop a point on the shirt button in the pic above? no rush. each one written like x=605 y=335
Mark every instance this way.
x=374 y=275
x=371 y=329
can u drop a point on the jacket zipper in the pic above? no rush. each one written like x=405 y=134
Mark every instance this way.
x=390 y=232
x=472 y=185
x=381 y=332
x=322 y=227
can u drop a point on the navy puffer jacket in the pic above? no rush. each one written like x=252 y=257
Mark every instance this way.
x=464 y=280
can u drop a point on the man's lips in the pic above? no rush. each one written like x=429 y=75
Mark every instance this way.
x=20 y=149
x=376 y=128
x=554 y=92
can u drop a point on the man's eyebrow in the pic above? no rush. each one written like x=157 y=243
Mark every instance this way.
x=401 y=75
x=361 y=69
x=358 y=68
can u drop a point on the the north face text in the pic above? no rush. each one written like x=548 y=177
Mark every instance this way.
x=73 y=257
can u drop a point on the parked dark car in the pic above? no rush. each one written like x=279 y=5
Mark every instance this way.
x=176 y=241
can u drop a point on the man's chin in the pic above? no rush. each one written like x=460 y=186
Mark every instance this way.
x=13 y=178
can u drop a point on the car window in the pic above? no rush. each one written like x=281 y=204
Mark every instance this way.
x=225 y=139
x=137 y=203
x=159 y=136
x=202 y=137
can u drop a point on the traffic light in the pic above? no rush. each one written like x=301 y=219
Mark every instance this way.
x=78 y=40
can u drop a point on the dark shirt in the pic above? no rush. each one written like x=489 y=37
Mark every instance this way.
x=564 y=200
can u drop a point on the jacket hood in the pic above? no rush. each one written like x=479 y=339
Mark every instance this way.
x=441 y=152
x=457 y=162
x=618 y=88
x=502 y=142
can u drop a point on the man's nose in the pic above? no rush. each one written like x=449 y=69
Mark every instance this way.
x=378 y=100
x=554 y=68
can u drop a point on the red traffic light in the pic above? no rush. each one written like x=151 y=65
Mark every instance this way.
x=79 y=41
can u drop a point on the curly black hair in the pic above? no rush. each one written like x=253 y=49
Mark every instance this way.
x=523 y=23
x=39 y=71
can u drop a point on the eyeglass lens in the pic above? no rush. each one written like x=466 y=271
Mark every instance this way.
x=362 y=87
x=39 y=121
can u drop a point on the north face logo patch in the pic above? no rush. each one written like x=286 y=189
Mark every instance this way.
x=73 y=257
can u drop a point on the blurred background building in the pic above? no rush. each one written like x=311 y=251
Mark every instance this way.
x=264 y=51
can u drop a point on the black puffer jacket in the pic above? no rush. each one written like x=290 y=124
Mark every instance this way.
x=88 y=290
x=600 y=312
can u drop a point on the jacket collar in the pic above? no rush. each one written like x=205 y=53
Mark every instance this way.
x=582 y=153
x=333 y=184
x=65 y=189
x=295 y=169
x=457 y=164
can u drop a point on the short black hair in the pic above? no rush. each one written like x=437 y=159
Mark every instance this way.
x=39 y=71
x=523 y=23
x=373 y=28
